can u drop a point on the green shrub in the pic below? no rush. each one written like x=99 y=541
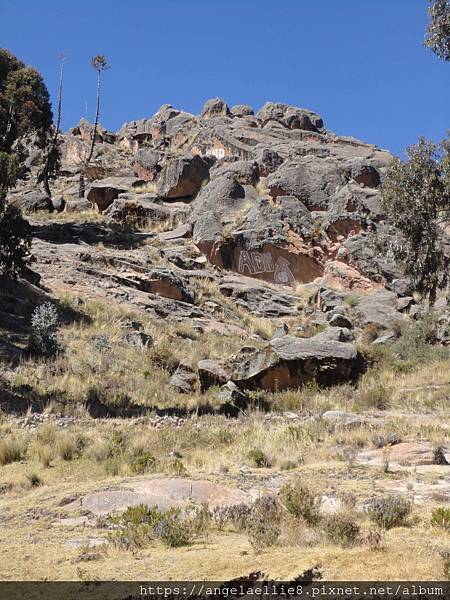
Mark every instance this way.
x=440 y=517
x=11 y=450
x=258 y=458
x=113 y=465
x=418 y=342
x=389 y=511
x=174 y=529
x=300 y=501
x=264 y=523
x=140 y=525
x=15 y=240
x=43 y=338
x=342 y=529
x=142 y=462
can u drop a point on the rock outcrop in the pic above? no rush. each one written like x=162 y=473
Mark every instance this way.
x=289 y=362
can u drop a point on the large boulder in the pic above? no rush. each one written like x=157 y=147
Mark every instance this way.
x=182 y=177
x=312 y=180
x=258 y=297
x=379 y=308
x=211 y=373
x=215 y=107
x=242 y=110
x=290 y=362
x=146 y=164
x=185 y=378
x=162 y=282
x=135 y=212
x=32 y=202
x=103 y=192
x=290 y=116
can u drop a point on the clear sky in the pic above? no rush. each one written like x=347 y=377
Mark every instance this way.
x=359 y=63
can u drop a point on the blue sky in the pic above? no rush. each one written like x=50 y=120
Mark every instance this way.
x=359 y=63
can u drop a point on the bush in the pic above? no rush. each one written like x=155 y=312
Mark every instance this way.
x=389 y=511
x=417 y=344
x=34 y=480
x=15 y=241
x=300 y=502
x=44 y=454
x=375 y=541
x=174 y=529
x=374 y=395
x=440 y=517
x=264 y=523
x=139 y=525
x=66 y=446
x=236 y=515
x=445 y=555
x=258 y=458
x=43 y=339
x=142 y=463
x=46 y=434
x=113 y=465
x=342 y=529
x=11 y=450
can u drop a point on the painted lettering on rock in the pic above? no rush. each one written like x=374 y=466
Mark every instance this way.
x=254 y=263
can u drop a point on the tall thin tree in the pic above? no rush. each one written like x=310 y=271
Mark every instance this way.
x=52 y=160
x=100 y=64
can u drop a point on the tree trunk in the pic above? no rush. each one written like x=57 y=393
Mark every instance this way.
x=94 y=135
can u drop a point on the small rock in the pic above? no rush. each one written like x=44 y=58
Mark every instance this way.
x=184 y=378
x=138 y=339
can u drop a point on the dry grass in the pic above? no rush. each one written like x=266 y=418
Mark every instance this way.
x=39 y=469
x=85 y=216
x=409 y=552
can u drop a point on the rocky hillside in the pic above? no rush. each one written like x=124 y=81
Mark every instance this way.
x=227 y=335
x=272 y=210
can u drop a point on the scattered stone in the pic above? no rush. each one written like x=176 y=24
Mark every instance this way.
x=339 y=320
x=210 y=373
x=103 y=192
x=233 y=400
x=138 y=339
x=342 y=418
x=185 y=378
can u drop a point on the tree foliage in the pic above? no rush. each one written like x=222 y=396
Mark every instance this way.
x=24 y=111
x=416 y=200
x=24 y=102
x=14 y=242
x=438 y=31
